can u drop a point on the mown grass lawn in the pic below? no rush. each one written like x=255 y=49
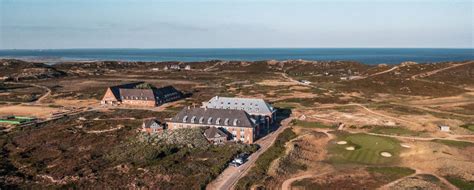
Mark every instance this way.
x=367 y=149
x=400 y=131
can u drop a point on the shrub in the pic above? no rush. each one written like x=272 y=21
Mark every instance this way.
x=259 y=171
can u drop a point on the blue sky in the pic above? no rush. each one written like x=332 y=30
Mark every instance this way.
x=45 y=24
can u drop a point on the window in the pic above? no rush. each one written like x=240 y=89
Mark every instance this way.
x=209 y=121
x=226 y=121
x=193 y=119
x=218 y=121
x=185 y=118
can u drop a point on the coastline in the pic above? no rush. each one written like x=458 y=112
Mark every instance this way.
x=371 y=56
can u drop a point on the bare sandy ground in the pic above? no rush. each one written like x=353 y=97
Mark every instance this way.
x=24 y=110
x=277 y=83
x=76 y=103
x=439 y=159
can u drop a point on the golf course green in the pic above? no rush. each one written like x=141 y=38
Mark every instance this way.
x=368 y=149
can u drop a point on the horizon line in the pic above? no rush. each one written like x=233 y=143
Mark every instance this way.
x=178 y=48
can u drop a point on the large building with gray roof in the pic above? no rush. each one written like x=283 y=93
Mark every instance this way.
x=237 y=123
x=258 y=109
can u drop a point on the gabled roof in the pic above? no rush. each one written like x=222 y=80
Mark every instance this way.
x=213 y=132
x=137 y=94
x=252 y=106
x=210 y=117
x=149 y=123
x=116 y=89
x=127 y=91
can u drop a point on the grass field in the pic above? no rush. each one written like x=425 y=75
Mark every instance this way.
x=460 y=183
x=390 y=173
x=393 y=131
x=309 y=124
x=468 y=126
x=367 y=149
x=457 y=144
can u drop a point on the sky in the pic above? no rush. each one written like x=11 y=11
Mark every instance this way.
x=59 y=24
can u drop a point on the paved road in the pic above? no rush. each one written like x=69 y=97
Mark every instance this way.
x=231 y=175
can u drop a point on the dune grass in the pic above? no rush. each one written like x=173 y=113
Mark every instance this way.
x=390 y=173
x=309 y=124
x=259 y=171
x=457 y=144
x=469 y=127
x=460 y=183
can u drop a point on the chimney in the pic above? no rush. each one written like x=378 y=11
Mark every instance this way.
x=189 y=107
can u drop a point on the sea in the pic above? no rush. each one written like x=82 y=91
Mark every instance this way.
x=363 y=55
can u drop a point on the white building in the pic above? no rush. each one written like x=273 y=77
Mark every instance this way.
x=444 y=128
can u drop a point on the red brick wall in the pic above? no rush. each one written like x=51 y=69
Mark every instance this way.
x=109 y=96
x=147 y=103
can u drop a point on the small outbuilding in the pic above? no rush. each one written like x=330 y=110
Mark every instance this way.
x=152 y=126
x=215 y=135
x=444 y=128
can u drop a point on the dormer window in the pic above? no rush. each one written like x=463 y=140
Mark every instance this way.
x=218 y=121
x=209 y=121
x=201 y=120
x=185 y=118
x=235 y=122
x=193 y=119
x=226 y=122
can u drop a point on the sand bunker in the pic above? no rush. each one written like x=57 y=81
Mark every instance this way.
x=342 y=142
x=386 y=154
x=350 y=148
x=405 y=145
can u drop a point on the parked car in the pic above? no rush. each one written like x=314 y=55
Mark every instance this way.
x=239 y=160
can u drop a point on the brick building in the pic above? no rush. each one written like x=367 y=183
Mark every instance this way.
x=258 y=109
x=237 y=124
x=140 y=94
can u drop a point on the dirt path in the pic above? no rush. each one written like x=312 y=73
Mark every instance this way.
x=429 y=73
x=379 y=73
x=451 y=137
x=105 y=130
x=287 y=183
x=374 y=112
x=44 y=96
x=384 y=115
x=435 y=110
x=231 y=175
x=211 y=67
x=417 y=172
x=284 y=75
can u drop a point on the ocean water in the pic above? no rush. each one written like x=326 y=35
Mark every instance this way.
x=363 y=55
